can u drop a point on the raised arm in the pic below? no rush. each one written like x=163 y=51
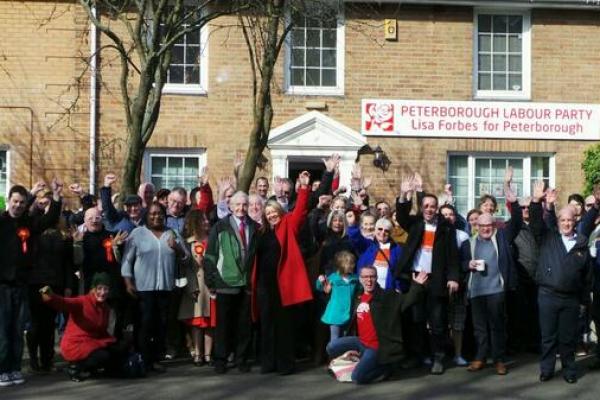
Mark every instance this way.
x=110 y=212
x=298 y=215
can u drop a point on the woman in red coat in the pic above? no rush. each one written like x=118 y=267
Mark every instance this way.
x=86 y=343
x=279 y=280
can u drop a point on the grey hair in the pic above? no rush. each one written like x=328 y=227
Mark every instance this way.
x=237 y=196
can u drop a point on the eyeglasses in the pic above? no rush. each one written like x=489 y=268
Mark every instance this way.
x=384 y=230
x=590 y=205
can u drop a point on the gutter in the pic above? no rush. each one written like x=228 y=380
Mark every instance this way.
x=552 y=4
x=93 y=102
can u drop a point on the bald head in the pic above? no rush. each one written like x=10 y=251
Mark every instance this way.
x=92 y=220
x=485 y=224
x=485 y=219
x=566 y=220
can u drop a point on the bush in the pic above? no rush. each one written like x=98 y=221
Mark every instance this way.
x=591 y=168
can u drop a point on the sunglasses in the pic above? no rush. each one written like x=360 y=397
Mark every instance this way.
x=385 y=230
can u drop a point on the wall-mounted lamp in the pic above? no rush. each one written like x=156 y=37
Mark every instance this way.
x=380 y=159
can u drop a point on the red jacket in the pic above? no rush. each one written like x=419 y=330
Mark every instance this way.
x=86 y=329
x=294 y=286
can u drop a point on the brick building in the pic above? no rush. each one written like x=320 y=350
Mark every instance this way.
x=417 y=78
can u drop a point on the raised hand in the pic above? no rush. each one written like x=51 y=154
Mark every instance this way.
x=237 y=161
x=203 y=177
x=304 y=179
x=356 y=199
x=332 y=162
x=57 y=187
x=37 y=187
x=508 y=175
x=356 y=171
x=538 y=191
x=417 y=182
x=406 y=186
x=278 y=187
x=509 y=193
x=119 y=238
x=551 y=196
x=109 y=179
x=366 y=182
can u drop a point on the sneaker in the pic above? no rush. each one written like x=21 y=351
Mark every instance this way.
x=5 y=380
x=17 y=378
x=427 y=361
x=437 y=368
x=460 y=362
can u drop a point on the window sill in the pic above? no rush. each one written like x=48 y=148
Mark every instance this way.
x=507 y=96
x=191 y=90
x=314 y=91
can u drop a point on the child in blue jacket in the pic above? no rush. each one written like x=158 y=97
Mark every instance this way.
x=341 y=286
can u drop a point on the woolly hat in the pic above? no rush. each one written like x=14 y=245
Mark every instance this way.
x=100 y=278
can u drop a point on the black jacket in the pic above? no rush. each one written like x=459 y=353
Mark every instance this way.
x=445 y=265
x=15 y=265
x=386 y=311
x=560 y=272
x=54 y=264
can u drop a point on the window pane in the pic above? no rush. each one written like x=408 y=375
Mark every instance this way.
x=329 y=38
x=458 y=166
x=177 y=55
x=192 y=75
x=312 y=77
x=514 y=82
x=297 y=77
x=329 y=58
x=313 y=58
x=482 y=168
x=175 y=74
x=329 y=77
x=485 y=63
x=485 y=23
x=298 y=37
x=159 y=182
x=175 y=166
x=514 y=63
x=500 y=22
x=159 y=165
x=193 y=55
x=485 y=43
x=191 y=167
x=313 y=38
x=515 y=24
x=499 y=44
x=485 y=82
x=298 y=57
x=514 y=44
x=499 y=63
x=499 y=82
x=540 y=167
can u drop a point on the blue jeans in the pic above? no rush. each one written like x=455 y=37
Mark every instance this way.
x=336 y=331
x=368 y=369
x=14 y=313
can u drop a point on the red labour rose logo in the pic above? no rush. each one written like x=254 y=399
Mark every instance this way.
x=380 y=117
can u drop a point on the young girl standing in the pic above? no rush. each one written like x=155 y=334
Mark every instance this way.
x=342 y=286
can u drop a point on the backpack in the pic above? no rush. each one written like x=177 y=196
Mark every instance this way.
x=342 y=367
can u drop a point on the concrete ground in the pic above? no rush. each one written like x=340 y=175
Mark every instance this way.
x=184 y=381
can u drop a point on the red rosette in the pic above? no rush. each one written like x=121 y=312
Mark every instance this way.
x=23 y=234
x=107 y=245
x=199 y=249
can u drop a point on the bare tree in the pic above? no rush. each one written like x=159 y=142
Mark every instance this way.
x=151 y=29
x=265 y=27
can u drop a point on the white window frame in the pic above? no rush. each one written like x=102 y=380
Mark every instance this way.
x=200 y=153
x=338 y=89
x=526 y=157
x=8 y=185
x=194 y=89
x=525 y=93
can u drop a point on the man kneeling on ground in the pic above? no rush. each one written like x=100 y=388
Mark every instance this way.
x=377 y=322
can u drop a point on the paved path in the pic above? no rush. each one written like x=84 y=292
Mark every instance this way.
x=184 y=381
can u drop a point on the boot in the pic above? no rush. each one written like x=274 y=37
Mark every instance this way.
x=438 y=367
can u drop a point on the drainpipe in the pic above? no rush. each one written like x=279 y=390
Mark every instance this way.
x=93 y=101
x=30 y=137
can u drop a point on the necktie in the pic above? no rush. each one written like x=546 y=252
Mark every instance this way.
x=243 y=233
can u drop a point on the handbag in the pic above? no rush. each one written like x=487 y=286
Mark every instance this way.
x=342 y=367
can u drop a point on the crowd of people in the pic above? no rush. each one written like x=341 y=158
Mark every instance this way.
x=264 y=278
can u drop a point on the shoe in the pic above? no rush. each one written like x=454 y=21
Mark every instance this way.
x=427 y=361
x=169 y=356
x=198 y=361
x=501 y=368
x=437 y=368
x=244 y=367
x=17 y=378
x=460 y=362
x=208 y=361
x=546 y=377
x=570 y=378
x=5 y=380
x=476 y=366
x=75 y=374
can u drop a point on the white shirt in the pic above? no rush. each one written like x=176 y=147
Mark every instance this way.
x=569 y=241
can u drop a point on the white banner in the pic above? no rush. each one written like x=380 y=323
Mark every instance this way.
x=475 y=119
